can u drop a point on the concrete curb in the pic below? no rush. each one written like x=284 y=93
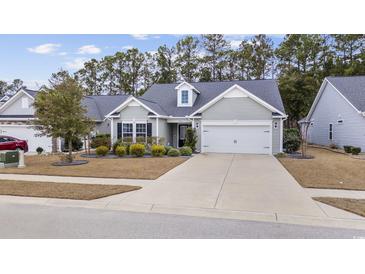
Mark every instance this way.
x=197 y=212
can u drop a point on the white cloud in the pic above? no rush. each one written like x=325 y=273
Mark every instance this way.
x=235 y=44
x=140 y=36
x=89 y=49
x=144 y=36
x=45 y=48
x=76 y=64
x=127 y=47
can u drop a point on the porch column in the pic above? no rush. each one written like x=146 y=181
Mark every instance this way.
x=111 y=131
x=157 y=135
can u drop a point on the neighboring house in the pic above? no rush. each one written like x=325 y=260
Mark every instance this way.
x=337 y=115
x=229 y=117
x=17 y=113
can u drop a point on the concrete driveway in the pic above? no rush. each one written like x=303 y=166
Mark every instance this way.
x=227 y=182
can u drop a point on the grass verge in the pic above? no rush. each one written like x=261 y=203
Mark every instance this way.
x=327 y=170
x=123 y=168
x=61 y=190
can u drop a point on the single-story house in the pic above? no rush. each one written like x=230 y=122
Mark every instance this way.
x=337 y=115
x=228 y=116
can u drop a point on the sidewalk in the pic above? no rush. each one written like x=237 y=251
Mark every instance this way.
x=356 y=222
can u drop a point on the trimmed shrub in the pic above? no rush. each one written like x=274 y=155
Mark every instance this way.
x=100 y=140
x=190 y=138
x=167 y=148
x=186 y=151
x=291 y=140
x=157 y=150
x=120 y=142
x=280 y=155
x=102 y=150
x=355 y=150
x=152 y=140
x=120 y=151
x=39 y=150
x=348 y=149
x=141 y=140
x=137 y=150
x=173 y=152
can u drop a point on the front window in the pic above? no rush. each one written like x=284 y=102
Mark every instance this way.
x=127 y=130
x=141 y=132
x=184 y=97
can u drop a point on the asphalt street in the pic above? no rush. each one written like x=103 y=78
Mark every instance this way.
x=35 y=221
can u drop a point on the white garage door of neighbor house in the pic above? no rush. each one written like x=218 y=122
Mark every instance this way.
x=237 y=139
x=28 y=134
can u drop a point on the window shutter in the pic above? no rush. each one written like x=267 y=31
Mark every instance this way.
x=149 y=129
x=119 y=130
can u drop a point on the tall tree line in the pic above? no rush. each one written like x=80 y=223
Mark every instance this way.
x=299 y=63
x=206 y=58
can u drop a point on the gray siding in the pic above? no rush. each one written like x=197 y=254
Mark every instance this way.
x=331 y=106
x=237 y=109
x=163 y=129
x=134 y=113
x=15 y=108
x=276 y=132
x=102 y=127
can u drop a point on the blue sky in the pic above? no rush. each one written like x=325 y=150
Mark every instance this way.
x=33 y=58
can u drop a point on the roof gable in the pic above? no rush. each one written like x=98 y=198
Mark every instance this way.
x=13 y=105
x=350 y=88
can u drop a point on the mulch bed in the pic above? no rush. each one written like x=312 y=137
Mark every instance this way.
x=61 y=190
x=73 y=163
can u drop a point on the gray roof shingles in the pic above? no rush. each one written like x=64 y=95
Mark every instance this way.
x=99 y=106
x=165 y=94
x=161 y=98
x=352 y=87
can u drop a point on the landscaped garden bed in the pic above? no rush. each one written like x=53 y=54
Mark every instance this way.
x=62 y=190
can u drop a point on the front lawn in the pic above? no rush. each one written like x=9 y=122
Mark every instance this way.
x=327 y=170
x=127 y=168
x=356 y=206
x=61 y=190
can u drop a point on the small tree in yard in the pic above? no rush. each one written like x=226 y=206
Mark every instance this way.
x=190 y=139
x=304 y=126
x=59 y=112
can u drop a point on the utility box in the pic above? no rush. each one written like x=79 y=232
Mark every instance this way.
x=9 y=158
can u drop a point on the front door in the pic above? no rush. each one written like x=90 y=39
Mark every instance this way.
x=182 y=133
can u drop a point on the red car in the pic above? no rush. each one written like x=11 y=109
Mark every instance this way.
x=12 y=143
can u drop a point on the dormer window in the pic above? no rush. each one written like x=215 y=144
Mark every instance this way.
x=184 y=97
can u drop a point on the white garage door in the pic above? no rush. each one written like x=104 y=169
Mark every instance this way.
x=237 y=139
x=26 y=133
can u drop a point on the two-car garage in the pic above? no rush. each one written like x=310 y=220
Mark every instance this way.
x=25 y=132
x=236 y=138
